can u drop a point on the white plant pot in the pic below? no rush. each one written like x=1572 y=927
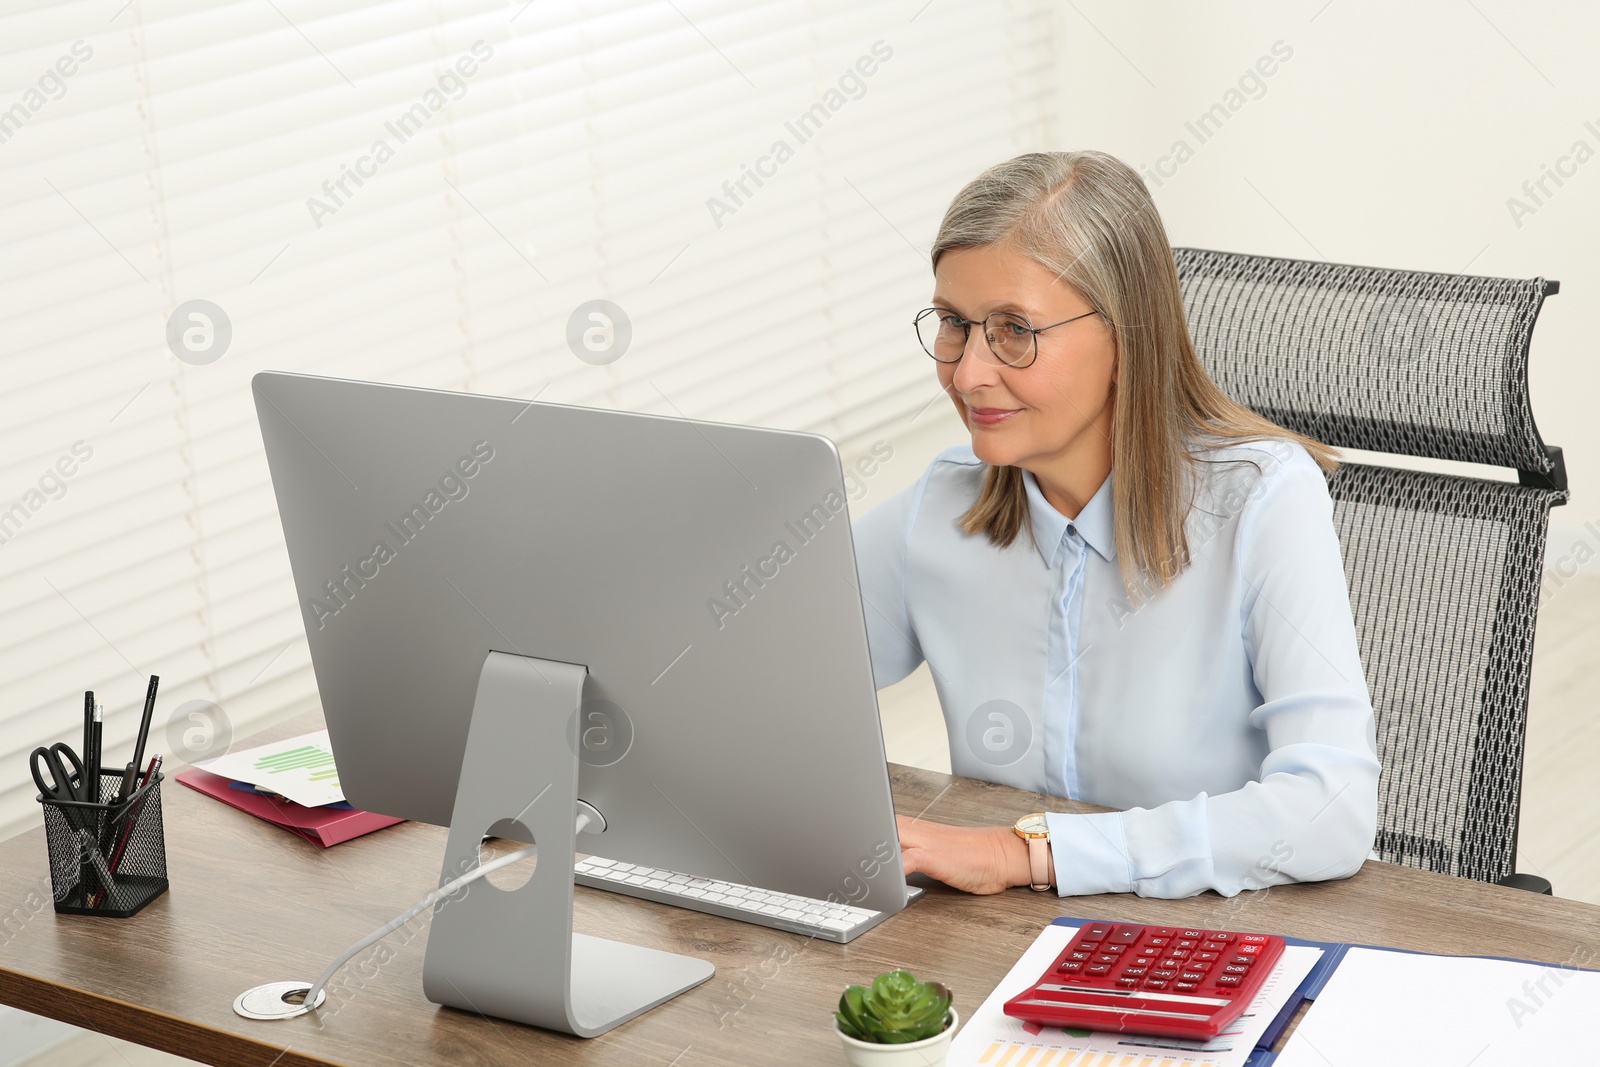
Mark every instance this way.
x=929 y=1052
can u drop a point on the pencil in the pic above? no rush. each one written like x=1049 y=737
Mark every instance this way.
x=88 y=728
x=91 y=765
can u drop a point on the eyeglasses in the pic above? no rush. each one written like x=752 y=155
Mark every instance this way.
x=1011 y=339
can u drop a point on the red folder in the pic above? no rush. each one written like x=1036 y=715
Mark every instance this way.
x=321 y=826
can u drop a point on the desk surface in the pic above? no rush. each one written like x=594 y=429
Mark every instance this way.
x=251 y=903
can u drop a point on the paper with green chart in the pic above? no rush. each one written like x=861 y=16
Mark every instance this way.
x=299 y=768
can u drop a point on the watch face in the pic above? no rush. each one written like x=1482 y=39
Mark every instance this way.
x=1033 y=824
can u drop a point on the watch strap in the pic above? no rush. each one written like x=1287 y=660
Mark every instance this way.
x=1039 y=865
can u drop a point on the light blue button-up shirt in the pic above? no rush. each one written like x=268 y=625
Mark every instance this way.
x=1227 y=714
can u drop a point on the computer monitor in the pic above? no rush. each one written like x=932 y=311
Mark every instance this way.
x=699 y=578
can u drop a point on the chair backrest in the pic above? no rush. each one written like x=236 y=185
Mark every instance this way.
x=1443 y=570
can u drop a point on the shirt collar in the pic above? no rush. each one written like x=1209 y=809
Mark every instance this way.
x=1094 y=522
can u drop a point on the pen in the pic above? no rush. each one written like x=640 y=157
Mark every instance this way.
x=144 y=724
x=94 y=860
x=127 y=829
x=126 y=789
x=132 y=769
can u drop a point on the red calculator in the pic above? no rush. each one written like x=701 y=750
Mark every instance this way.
x=1160 y=980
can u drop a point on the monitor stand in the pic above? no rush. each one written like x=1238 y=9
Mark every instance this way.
x=513 y=954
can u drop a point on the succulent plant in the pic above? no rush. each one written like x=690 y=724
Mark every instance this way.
x=897 y=1009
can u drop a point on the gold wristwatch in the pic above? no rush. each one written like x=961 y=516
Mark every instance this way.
x=1035 y=830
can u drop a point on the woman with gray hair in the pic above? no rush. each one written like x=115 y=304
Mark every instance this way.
x=1127 y=587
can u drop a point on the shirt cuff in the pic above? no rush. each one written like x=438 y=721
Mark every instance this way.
x=1090 y=853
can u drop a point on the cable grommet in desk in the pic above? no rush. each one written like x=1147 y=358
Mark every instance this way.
x=267 y=1001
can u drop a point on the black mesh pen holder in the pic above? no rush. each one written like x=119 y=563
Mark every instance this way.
x=107 y=859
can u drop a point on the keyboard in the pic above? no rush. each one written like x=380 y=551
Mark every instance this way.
x=1159 y=980
x=764 y=907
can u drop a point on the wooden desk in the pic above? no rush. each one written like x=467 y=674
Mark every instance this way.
x=250 y=903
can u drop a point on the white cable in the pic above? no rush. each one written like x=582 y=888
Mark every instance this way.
x=418 y=908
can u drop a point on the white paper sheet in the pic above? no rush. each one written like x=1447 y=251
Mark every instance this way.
x=994 y=1039
x=1400 y=1008
x=300 y=768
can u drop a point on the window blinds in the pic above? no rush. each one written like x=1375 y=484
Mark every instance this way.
x=423 y=193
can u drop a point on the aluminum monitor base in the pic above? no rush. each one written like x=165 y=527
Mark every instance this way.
x=513 y=954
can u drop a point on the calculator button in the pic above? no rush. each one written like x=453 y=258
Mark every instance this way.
x=1193 y=976
x=1188 y=943
x=1214 y=946
x=1252 y=939
x=1127 y=935
x=1178 y=953
x=1206 y=957
x=1214 y=936
x=1149 y=953
x=1135 y=972
x=1236 y=969
x=1113 y=950
x=1164 y=974
x=1250 y=950
x=1158 y=942
x=1128 y=983
x=1228 y=980
x=1186 y=986
x=1105 y=957
x=1098 y=931
x=1080 y=956
x=1242 y=961
x=1192 y=933
x=1155 y=983
x=1163 y=931
x=1070 y=967
x=1097 y=968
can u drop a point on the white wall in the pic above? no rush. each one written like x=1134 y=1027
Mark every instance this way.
x=1391 y=135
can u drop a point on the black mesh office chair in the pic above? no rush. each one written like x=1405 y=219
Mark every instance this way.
x=1443 y=570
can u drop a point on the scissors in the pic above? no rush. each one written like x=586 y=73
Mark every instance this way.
x=70 y=788
x=63 y=786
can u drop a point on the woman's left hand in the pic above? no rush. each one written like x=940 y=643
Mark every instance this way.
x=976 y=859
